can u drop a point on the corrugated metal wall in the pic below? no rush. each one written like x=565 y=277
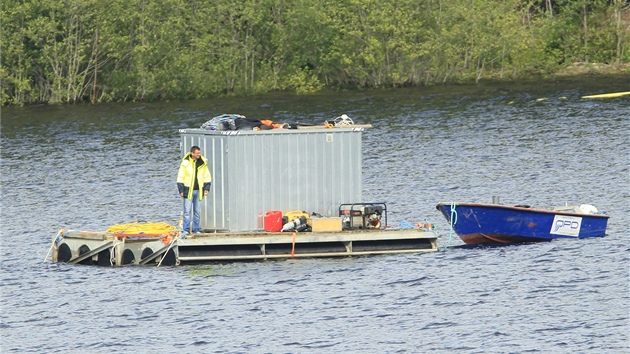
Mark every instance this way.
x=314 y=170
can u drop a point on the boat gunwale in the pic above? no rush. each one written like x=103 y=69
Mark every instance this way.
x=518 y=208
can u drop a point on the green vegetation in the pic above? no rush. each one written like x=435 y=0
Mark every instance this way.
x=120 y=50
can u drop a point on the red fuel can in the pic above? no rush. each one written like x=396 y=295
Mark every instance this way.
x=273 y=221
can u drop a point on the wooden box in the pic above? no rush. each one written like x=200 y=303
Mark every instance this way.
x=324 y=224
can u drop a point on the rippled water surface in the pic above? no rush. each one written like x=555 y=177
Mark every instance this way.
x=88 y=167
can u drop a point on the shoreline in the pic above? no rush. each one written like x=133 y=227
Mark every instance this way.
x=576 y=72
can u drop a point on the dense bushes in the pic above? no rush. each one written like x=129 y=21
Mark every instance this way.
x=117 y=50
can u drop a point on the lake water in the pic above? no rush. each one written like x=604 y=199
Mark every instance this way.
x=88 y=167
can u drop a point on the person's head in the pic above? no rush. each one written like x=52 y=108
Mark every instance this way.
x=195 y=152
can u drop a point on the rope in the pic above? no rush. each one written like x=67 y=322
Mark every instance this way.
x=55 y=240
x=169 y=248
x=138 y=235
x=405 y=225
x=453 y=222
x=293 y=245
x=112 y=256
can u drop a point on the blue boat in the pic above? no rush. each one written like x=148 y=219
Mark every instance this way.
x=478 y=223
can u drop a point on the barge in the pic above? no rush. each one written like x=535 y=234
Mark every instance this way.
x=257 y=173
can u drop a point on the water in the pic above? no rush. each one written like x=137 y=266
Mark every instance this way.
x=83 y=167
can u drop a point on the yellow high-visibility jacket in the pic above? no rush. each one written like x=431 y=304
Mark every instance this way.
x=186 y=175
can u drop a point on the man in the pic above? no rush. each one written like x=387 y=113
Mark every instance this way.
x=193 y=183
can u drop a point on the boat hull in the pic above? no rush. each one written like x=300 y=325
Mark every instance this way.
x=477 y=223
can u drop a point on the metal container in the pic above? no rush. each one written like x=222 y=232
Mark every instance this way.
x=314 y=170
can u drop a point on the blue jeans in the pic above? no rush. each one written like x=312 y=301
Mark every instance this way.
x=194 y=205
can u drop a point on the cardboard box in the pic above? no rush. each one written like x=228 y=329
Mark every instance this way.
x=324 y=224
